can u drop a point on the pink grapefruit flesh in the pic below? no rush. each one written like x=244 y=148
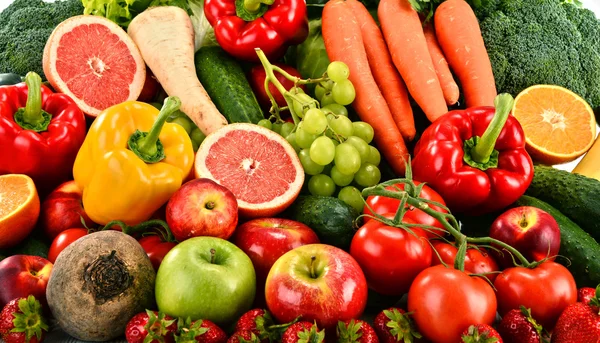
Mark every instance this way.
x=259 y=166
x=95 y=62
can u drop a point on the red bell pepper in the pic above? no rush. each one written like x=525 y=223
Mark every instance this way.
x=475 y=158
x=241 y=26
x=40 y=133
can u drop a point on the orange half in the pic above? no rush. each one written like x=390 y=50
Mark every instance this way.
x=19 y=208
x=559 y=125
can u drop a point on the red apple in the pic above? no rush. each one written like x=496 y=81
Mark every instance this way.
x=319 y=282
x=202 y=207
x=530 y=230
x=63 y=210
x=264 y=240
x=22 y=275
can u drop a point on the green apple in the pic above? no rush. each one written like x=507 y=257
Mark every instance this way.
x=206 y=278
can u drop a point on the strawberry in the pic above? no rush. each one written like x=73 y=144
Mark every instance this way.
x=199 y=331
x=585 y=294
x=259 y=322
x=482 y=333
x=22 y=321
x=244 y=336
x=150 y=327
x=356 y=331
x=394 y=325
x=579 y=322
x=517 y=326
x=303 y=332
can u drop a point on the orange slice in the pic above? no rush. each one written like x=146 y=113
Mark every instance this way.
x=559 y=125
x=19 y=208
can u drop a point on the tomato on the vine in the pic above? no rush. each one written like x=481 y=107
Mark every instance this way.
x=445 y=301
x=382 y=205
x=156 y=248
x=390 y=257
x=257 y=82
x=547 y=289
x=63 y=240
x=477 y=260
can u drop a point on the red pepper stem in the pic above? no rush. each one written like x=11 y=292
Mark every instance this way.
x=33 y=107
x=253 y=6
x=483 y=149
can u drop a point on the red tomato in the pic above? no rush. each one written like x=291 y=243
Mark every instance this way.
x=63 y=240
x=156 y=248
x=257 y=81
x=383 y=205
x=446 y=301
x=547 y=289
x=477 y=260
x=390 y=257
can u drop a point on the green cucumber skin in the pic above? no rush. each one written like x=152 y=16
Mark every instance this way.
x=9 y=79
x=574 y=195
x=226 y=84
x=579 y=247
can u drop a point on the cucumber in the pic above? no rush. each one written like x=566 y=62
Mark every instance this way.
x=330 y=218
x=574 y=195
x=579 y=247
x=8 y=79
x=225 y=82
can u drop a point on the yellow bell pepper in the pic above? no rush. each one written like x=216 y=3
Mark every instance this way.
x=132 y=161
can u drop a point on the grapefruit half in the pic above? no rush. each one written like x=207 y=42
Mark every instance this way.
x=259 y=166
x=95 y=62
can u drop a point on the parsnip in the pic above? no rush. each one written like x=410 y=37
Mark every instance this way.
x=165 y=37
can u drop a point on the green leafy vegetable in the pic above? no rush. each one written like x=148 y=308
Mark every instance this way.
x=123 y=11
x=310 y=57
x=203 y=31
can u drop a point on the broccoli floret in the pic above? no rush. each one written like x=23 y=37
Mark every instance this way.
x=18 y=5
x=25 y=54
x=30 y=18
x=544 y=42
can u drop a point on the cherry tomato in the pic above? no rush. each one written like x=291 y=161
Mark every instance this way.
x=445 y=301
x=477 y=260
x=390 y=257
x=257 y=81
x=63 y=240
x=156 y=248
x=383 y=205
x=547 y=289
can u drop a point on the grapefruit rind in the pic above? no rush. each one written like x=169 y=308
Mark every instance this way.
x=17 y=224
x=247 y=209
x=50 y=56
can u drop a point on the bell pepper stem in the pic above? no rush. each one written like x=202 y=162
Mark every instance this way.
x=32 y=117
x=253 y=6
x=485 y=146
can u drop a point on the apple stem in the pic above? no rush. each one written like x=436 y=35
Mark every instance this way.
x=212 y=256
x=523 y=222
x=209 y=205
x=313 y=274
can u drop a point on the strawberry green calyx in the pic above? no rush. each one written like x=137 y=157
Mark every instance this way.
x=401 y=327
x=538 y=327
x=30 y=321
x=349 y=333
x=188 y=331
x=156 y=327
x=474 y=336
x=595 y=300
x=314 y=335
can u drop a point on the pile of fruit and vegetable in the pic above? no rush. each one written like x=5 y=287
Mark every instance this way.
x=349 y=171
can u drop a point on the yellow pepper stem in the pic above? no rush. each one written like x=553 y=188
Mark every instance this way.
x=146 y=145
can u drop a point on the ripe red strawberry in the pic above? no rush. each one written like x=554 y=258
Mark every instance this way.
x=517 y=326
x=151 y=327
x=356 y=331
x=481 y=333
x=394 y=325
x=244 y=336
x=579 y=322
x=303 y=332
x=22 y=321
x=199 y=331
x=585 y=294
x=258 y=321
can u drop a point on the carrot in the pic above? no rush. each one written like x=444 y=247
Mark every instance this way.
x=165 y=37
x=449 y=86
x=404 y=36
x=386 y=76
x=343 y=42
x=459 y=36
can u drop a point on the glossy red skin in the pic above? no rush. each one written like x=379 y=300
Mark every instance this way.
x=390 y=257
x=257 y=82
x=547 y=289
x=285 y=23
x=438 y=160
x=477 y=260
x=63 y=210
x=339 y=293
x=539 y=239
x=446 y=301
x=24 y=275
x=382 y=205
x=188 y=216
x=156 y=248
x=63 y=240
x=585 y=294
x=150 y=89
x=48 y=156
